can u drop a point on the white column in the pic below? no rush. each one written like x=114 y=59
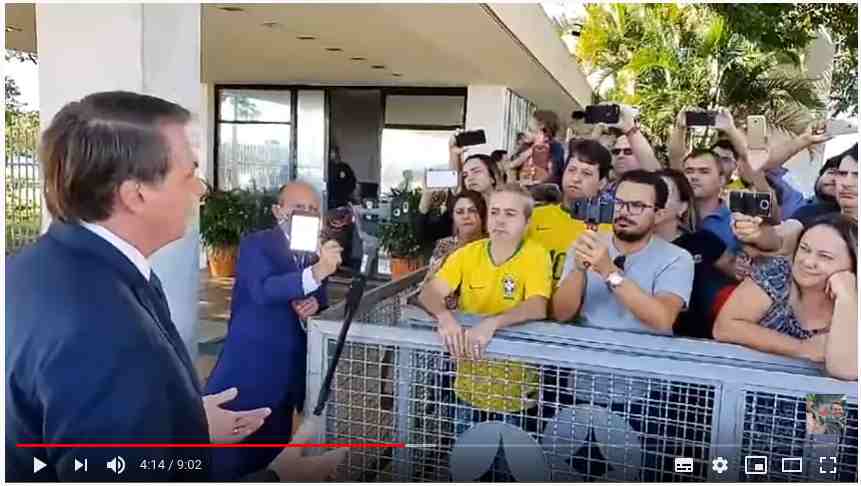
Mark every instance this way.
x=486 y=109
x=146 y=48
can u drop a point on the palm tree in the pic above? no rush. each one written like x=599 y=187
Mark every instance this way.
x=663 y=57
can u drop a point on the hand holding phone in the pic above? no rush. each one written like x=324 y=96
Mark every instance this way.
x=756 y=204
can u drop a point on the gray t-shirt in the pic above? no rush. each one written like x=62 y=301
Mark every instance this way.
x=659 y=268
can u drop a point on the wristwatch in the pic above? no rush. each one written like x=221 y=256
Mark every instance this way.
x=614 y=280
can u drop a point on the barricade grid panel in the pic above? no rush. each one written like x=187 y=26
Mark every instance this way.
x=775 y=426
x=560 y=423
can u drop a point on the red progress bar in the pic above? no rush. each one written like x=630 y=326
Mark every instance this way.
x=207 y=446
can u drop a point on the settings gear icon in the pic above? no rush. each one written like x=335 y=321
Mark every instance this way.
x=719 y=465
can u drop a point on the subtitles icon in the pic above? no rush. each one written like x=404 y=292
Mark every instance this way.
x=754 y=465
x=790 y=465
x=827 y=465
x=684 y=465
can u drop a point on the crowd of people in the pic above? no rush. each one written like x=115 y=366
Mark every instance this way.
x=121 y=183
x=675 y=259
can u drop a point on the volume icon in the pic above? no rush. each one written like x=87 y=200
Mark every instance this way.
x=117 y=465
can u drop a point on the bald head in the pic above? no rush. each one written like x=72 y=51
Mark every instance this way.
x=296 y=196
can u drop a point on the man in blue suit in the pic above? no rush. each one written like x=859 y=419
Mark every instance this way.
x=264 y=353
x=92 y=355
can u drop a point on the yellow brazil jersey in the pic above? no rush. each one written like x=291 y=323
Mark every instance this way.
x=489 y=289
x=555 y=229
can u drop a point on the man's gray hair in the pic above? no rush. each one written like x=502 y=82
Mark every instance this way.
x=517 y=189
x=300 y=182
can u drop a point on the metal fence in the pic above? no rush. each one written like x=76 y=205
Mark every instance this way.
x=23 y=184
x=590 y=404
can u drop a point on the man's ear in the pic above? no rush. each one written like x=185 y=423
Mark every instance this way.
x=130 y=197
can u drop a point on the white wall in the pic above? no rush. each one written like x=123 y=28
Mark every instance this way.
x=485 y=109
x=152 y=49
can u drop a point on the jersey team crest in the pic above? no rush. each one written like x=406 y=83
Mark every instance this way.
x=509 y=285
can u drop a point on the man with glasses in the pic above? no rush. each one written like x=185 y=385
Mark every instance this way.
x=635 y=281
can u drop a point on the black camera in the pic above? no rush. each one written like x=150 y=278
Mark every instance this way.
x=757 y=204
x=607 y=114
x=700 y=118
x=592 y=211
x=470 y=138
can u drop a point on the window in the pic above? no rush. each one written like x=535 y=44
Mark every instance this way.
x=414 y=150
x=254 y=138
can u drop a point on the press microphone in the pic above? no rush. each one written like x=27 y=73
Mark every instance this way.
x=370 y=246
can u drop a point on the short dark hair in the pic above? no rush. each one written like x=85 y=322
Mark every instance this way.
x=94 y=145
x=697 y=153
x=831 y=163
x=726 y=145
x=590 y=152
x=497 y=155
x=488 y=162
x=645 y=177
x=845 y=226
x=549 y=119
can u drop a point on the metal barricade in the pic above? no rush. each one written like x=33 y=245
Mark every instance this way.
x=596 y=404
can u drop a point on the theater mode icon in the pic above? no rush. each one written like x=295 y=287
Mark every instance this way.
x=754 y=465
x=684 y=465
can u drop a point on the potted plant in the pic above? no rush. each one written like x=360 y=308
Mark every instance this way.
x=399 y=240
x=224 y=218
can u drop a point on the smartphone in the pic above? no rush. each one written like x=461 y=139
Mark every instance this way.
x=750 y=203
x=700 y=118
x=607 y=114
x=834 y=127
x=440 y=179
x=304 y=232
x=756 y=132
x=592 y=211
x=469 y=138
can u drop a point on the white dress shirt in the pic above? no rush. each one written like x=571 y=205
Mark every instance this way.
x=136 y=257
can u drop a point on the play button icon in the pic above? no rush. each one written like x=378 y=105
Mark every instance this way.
x=38 y=465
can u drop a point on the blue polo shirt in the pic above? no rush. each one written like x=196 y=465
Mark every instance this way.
x=720 y=223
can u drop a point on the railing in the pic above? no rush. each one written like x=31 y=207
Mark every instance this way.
x=610 y=405
x=23 y=183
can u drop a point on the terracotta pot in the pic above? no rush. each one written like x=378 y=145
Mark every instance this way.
x=222 y=261
x=403 y=266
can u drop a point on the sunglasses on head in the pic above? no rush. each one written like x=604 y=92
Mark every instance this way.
x=626 y=151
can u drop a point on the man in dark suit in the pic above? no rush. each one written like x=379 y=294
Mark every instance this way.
x=264 y=354
x=92 y=355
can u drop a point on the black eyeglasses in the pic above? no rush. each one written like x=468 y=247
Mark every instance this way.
x=626 y=151
x=619 y=261
x=634 y=208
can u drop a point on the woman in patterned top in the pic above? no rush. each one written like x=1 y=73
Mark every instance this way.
x=806 y=309
x=470 y=224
